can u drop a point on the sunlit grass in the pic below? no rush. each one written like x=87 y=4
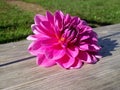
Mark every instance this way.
x=96 y=12
x=14 y=23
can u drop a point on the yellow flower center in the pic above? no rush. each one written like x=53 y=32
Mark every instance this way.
x=62 y=39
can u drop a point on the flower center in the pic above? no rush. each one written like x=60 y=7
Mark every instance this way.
x=69 y=36
x=62 y=39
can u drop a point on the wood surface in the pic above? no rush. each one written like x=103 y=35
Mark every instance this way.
x=18 y=70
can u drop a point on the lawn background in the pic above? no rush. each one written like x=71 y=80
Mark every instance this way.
x=95 y=12
x=15 y=23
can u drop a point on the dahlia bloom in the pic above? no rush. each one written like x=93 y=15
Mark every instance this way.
x=63 y=40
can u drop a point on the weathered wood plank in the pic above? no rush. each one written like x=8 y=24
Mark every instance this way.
x=25 y=75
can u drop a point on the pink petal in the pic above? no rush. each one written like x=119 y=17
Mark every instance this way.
x=94 y=59
x=84 y=47
x=77 y=64
x=37 y=37
x=96 y=47
x=54 y=54
x=94 y=39
x=72 y=51
x=42 y=61
x=38 y=18
x=83 y=22
x=67 y=20
x=89 y=47
x=35 y=29
x=59 y=20
x=85 y=57
x=46 y=27
x=75 y=21
x=98 y=56
x=32 y=37
x=83 y=28
x=84 y=37
x=50 y=17
x=40 y=45
x=88 y=28
x=65 y=61
x=35 y=48
x=40 y=29
x=48 y=41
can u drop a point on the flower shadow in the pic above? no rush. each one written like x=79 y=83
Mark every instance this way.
x=108 y=44
x=16 y=61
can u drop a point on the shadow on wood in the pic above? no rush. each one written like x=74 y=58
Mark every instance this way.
x=16 y=61
x=108 y=44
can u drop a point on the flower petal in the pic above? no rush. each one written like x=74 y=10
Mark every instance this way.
x=81 y=28
x=37 y=37
x=50 y=17
x=46 y=27
x=98 y=56
x=84 y=47
x=85 y=57
x=65 y=61
x=74 y=21
x=54 y=52
x=67 y=20
x=42 y=61
x=48 y=41
x=35 y=29
x=84 y=37
x=90 y=47
x=40 y=45
x=32 y=37
x=94 y=59
x=77 y=64
x=35 y=48
x=43 y=28
x=38 y=18
x=59 y=20
x=72 y=51
x=95 y=47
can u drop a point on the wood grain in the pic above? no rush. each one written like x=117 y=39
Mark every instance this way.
x=24 y=74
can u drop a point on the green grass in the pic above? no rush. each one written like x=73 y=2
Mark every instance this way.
x=96 y=12
x=14 y=23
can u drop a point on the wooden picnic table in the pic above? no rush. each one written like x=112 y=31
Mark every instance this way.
x=18 y=70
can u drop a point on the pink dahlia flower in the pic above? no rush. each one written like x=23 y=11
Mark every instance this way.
x=63 y=40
